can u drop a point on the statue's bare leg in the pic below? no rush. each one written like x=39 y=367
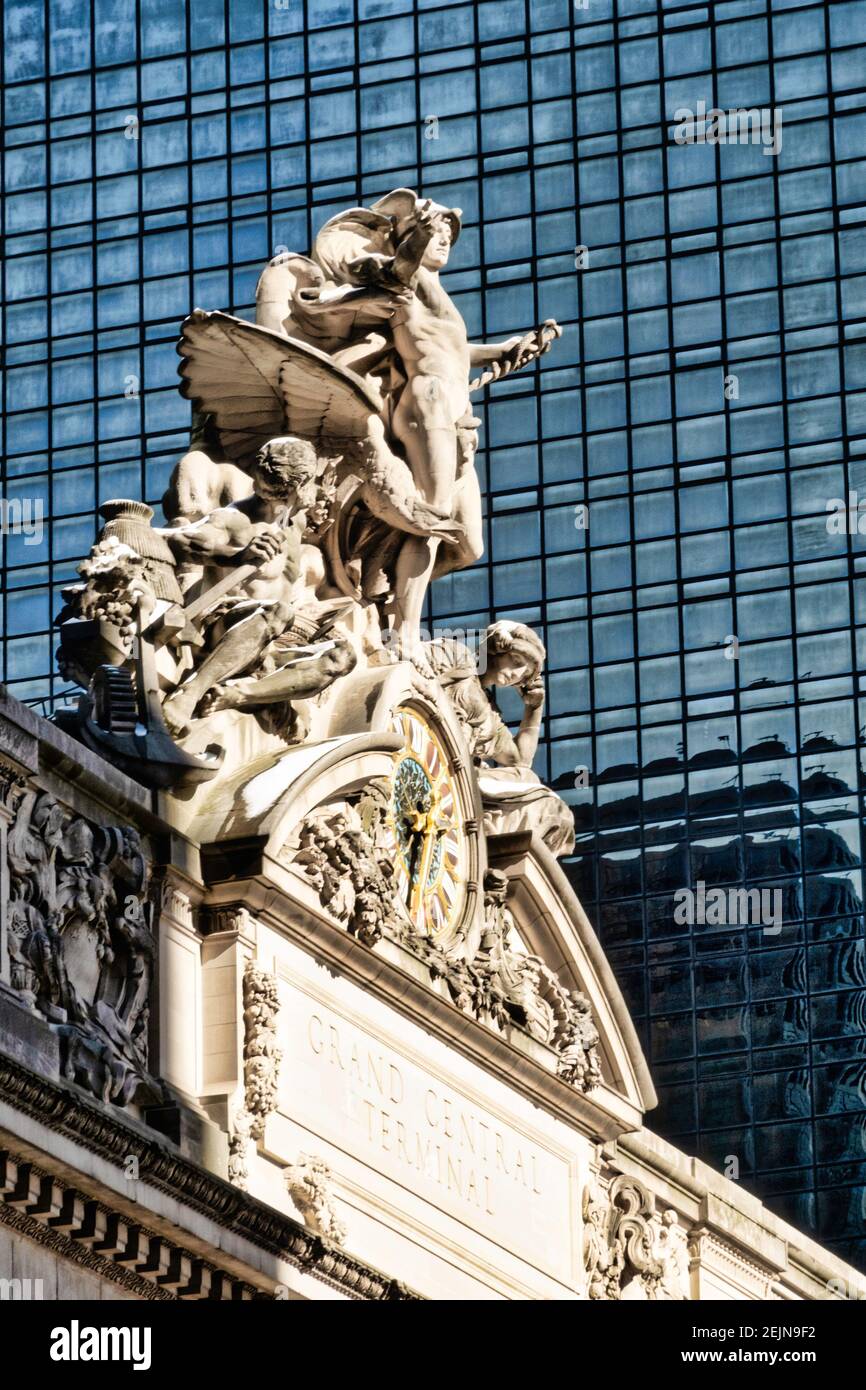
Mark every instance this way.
x=467 y=510
x=423 y=422
x=298 y=680
x=234 y=651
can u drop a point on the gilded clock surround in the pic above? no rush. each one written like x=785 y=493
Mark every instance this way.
x=428 y=827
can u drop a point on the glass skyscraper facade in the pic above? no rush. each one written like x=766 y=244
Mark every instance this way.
x=657 y=488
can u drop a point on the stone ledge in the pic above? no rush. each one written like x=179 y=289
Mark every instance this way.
x=732 y=1214
x=117 y=1139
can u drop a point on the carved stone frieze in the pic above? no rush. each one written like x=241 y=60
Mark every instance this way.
x=309 y=1185
x=81 y=948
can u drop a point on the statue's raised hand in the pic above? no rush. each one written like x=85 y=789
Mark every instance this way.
x=533 y=694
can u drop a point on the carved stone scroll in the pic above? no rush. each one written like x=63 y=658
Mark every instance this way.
x=631 y=1251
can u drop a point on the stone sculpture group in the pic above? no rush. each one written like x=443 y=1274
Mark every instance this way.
x=329 y=479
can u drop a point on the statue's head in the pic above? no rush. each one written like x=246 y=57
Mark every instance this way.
x=285 y=469
x=439 y=246
x=403 y=206
x=511 y=654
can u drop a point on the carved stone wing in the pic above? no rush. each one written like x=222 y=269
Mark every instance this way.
x=258 y=384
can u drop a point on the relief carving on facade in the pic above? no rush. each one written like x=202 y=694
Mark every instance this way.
x=341 y=854
x=262 y=1059
x=308 y=1181
x=81 y=949
x=631 y=1252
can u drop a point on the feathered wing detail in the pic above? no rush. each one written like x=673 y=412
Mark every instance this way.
x=258 y=384
x=322 y=400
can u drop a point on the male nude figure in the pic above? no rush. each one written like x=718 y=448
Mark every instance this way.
x=263 y=535
x=433 y=409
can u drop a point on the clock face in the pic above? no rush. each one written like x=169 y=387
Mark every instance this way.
x=425 y=828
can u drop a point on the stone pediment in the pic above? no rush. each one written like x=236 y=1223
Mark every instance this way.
x=552 y=923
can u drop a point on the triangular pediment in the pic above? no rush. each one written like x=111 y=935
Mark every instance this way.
x=552 y=924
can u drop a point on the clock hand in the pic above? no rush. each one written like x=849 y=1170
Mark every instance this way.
x=428 y=843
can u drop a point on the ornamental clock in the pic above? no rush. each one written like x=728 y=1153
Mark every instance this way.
x=426 y=827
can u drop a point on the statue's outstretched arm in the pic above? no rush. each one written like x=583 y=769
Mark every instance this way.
x=502 y=358
x=481 y=354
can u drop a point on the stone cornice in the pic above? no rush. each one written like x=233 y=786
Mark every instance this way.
x=732 y=1216
x=88 y=1233
x=72 y=1114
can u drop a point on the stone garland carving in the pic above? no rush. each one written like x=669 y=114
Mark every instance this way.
x=239 y=1147
x=261 y=1055
x=631 y=1251
x=308 y=1181
x=341 y=854
x=341 y=859
x=81 y=948
x=262 y=1059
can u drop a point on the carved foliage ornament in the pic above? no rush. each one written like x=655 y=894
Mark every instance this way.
x=343 y=852
x=261 y=1055
x=81 y=949
x=261 y=1067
